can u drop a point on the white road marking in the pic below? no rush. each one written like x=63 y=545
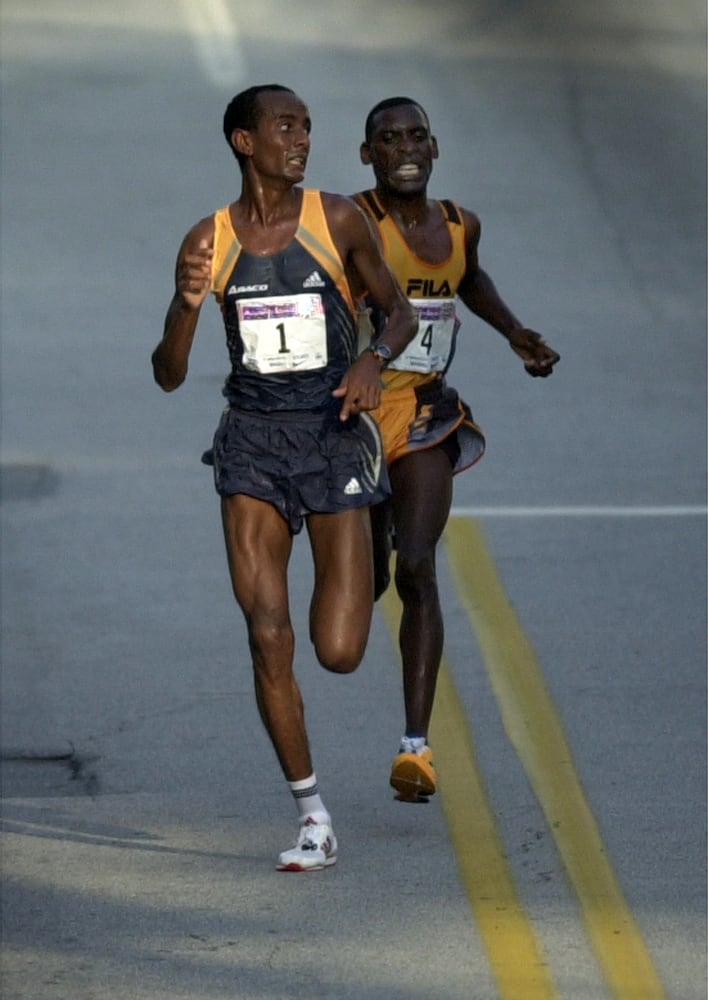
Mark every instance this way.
x=668 y=510
x=217 y=40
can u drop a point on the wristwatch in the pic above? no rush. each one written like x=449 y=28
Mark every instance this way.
x=382 y=352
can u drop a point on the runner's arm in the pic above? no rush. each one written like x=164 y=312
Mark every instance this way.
x=361 y=385
x=480 y=295
x=170 y=359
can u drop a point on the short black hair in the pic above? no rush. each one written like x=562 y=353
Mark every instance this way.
x=389 y=102
x=244 y=112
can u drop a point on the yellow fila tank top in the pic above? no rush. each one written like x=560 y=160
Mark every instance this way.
x=420 y=279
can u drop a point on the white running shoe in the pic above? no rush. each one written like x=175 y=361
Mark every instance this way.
x=316 y=848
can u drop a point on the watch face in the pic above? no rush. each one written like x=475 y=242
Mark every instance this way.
x=383 y=351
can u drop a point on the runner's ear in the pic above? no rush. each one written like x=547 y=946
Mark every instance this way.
x=434 y=146
x=365 y=154
x=242 y=142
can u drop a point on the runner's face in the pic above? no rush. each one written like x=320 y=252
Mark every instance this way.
x=281 y=140
x=401 y=150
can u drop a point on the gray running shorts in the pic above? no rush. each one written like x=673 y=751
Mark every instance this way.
x=301 y=463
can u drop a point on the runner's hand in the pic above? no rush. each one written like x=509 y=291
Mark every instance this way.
x=360 y=387
x=194 y=274
x=537 y=356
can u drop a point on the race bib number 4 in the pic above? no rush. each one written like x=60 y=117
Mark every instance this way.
x=431 y=348
x=283 y=333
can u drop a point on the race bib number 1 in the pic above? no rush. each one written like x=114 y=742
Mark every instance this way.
x=430 y=349
x=283 y=333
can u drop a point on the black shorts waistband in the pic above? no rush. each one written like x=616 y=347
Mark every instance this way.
x=286 y=416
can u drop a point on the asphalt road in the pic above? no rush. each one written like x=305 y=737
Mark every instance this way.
x=142 y=806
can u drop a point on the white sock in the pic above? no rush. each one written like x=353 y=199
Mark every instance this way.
x=307 y=798
x=412 y=744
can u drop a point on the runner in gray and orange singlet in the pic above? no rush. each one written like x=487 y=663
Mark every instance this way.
x=295 y=444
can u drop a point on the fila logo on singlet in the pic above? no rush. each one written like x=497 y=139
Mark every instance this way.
x=426 y=288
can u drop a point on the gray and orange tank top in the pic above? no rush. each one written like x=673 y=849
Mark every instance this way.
x=431 y=290
x=289 y=318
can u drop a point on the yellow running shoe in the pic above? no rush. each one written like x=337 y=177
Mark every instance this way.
x=413 y=775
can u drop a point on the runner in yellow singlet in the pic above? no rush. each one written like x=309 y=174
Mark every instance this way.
x=428 y=431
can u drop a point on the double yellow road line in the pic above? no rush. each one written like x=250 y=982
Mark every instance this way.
x=536 y=732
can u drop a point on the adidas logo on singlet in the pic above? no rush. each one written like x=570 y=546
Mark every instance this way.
x=313 y=280
x=352 y=487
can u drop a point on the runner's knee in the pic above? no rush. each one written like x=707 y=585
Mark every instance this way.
x=415 y=574
x=270 y=640
x=340 y=655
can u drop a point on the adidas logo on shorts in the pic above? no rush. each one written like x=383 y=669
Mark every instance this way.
x=313 y=280
x=352 y=487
